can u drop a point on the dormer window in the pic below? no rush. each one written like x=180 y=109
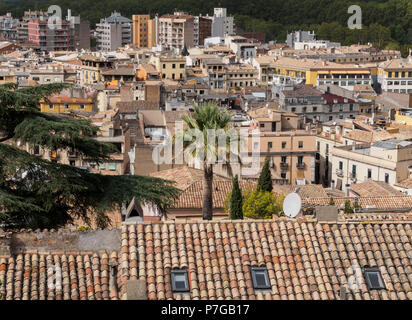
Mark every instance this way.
x=374 y=279
x=260 y=278
x=180 y=282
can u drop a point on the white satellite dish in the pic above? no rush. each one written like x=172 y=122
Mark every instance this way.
x=292 y=205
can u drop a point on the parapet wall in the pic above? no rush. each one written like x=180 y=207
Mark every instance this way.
x=64 y=240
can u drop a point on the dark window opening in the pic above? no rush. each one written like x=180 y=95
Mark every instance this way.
x=180 y=282
x=374 y=279
x=260 y=278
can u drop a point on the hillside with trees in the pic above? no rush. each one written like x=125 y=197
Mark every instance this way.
x=387 y=24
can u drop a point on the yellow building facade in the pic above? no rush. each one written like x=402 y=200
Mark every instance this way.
x=143 y=31
x=66 y=105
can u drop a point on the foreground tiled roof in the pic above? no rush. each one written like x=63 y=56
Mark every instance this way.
x=304 y=259
x=59 y=276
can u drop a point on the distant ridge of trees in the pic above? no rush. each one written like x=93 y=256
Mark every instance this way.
x=387 y=24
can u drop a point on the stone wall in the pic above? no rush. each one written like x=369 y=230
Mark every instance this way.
x=64 y=240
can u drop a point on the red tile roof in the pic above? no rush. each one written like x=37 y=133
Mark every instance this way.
x=330 y=98
x=304 y=260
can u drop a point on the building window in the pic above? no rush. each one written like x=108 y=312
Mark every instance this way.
x=112 y=166
x=82 y=106
x=260 y=278
x=340 y=165
x=283 y=144
x=283 y=175
x=182 y=66
x=283 y=159
x=300 y=160
x=173 y=66
x=180 y=282
x=374 y=279
x=318 y=146
x=300 y=144
x=262 y=125
x=353 y=171
x=369 y=173
x=269 y=145
x=102 y=166
x=387 y=177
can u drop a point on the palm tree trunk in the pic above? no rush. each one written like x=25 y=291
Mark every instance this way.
x=207 y=209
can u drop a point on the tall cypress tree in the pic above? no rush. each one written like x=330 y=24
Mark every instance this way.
x=236 y=201
x=36 y=193
x=265 y=178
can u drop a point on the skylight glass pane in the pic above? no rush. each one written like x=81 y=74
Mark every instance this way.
x=261 y=279
x=374 y=279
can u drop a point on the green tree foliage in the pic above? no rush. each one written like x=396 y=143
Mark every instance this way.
x=348 y=207
x=36 y=193
x=206 y=117
x=331 y=202
x=265 y=178
x=262 y=205
x=236 y=199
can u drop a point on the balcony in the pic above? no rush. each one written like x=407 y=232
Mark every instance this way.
x=300 y=165
x=339 y=172
x=284 y=165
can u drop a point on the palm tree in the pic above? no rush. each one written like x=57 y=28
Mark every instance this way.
x=205 y=117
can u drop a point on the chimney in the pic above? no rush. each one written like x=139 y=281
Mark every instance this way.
x=342 y=293
x=136 y=290
x=332 y=184
x=347 y=190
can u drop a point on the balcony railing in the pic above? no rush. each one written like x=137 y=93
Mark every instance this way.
x=339 y=172
x=284 y=165
x=300 y=165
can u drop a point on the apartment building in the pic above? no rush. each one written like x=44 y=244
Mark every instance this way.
x=389 y=161
x=176 y=31
x=80 y=31
x=307 y=101
x=144 y=31
x=264 y=65
x=326 y=141
x=202 y=29
x=113 y=32
x=8 y=27
x=23 y=25
x=52 y=73
x=222 y=24
x=241 y=46
x=291 y=149
x=395 y=75
x=318 y=72
x=240 y=75
x=58 y=38
x=92 y=67
x=173 y=68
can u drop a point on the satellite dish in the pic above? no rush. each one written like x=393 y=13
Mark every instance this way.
x=292 y=205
